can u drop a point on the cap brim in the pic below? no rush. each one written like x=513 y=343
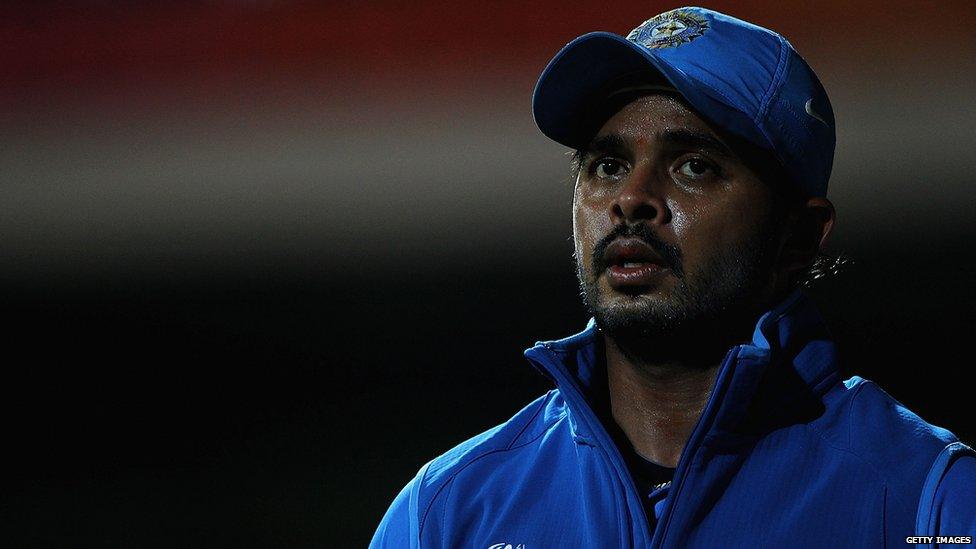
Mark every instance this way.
x=578 y=78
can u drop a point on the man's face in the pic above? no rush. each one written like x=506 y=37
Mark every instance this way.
x=672 y=230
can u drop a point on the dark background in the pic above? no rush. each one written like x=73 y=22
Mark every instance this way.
x=261 y=261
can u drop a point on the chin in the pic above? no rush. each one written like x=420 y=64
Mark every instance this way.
x=639 y=314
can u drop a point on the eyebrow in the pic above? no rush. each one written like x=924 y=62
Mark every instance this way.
x=679 y=138
x=689 y=139
x=606 y=144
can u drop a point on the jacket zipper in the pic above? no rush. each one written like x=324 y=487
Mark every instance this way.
x=687 y=454
x=691 y=449
x=616 y=459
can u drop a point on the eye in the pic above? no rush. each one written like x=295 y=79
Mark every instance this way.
x=696 y=167
x=608 y=168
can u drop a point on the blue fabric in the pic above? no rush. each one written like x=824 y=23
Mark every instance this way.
x=946 y=507
x=785 y=454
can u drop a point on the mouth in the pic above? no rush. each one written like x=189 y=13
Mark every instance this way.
x=632 y=264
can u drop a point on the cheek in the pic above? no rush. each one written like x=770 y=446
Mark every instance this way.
x=706 y=228
x=685 y=217
x=590 y=223
x=579 y=230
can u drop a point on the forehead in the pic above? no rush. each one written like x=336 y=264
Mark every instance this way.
x=649 y=115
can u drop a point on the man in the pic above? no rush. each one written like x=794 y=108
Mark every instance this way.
x=702 y=405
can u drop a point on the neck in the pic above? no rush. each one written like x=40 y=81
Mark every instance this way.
x=656 y=404
x=660 y=383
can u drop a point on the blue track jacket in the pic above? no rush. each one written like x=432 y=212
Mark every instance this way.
x=785 y=454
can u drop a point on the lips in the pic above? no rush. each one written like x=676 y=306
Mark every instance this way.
x=631 y=263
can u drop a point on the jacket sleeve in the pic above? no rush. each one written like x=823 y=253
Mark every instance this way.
x=956 y=499
x=948 y=503
x=399 y=528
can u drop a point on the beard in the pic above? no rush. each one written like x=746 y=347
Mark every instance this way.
x=704 y=309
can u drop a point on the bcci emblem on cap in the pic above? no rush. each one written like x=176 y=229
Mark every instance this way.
x=669 y=30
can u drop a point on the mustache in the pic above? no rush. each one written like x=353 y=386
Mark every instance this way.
x=671 y=255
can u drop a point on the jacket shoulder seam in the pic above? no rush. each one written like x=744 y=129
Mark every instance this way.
x=542 y=406
x=509 y=447
x=443 y=515
x=850 y=451
x=861 y=457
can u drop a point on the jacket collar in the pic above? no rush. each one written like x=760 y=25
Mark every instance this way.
x=774 y=380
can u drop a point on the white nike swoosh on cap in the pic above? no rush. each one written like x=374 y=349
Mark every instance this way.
x=809 y=108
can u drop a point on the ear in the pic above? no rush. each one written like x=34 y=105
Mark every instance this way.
x=808 y=234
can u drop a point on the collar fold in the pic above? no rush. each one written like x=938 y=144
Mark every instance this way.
x=775 y=380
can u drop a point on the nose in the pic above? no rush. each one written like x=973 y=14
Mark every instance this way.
x=639 y=200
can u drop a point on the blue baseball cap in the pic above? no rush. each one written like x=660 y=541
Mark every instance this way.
x=745 y=79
